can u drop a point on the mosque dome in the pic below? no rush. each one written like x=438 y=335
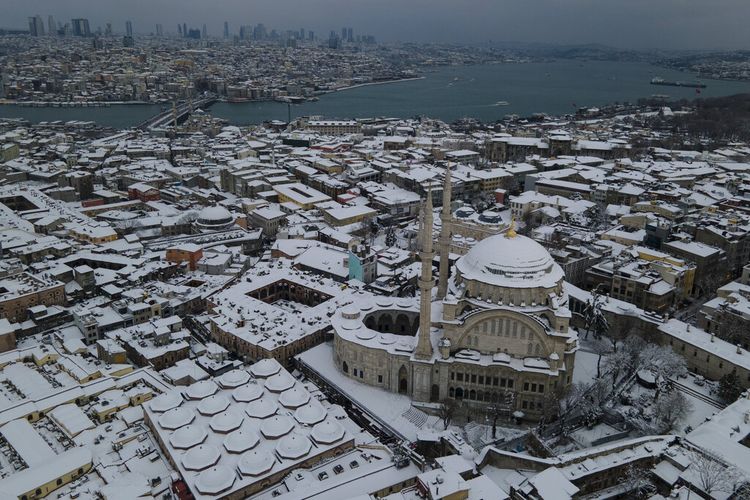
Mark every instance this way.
x=215 y=218
x=510 y=261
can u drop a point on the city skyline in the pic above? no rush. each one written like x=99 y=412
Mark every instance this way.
x=670 y=24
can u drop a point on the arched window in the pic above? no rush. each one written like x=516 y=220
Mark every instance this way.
x=451 y=392
x=538 y=349
x=459 y=393
x=473 y=395
x=345 y=367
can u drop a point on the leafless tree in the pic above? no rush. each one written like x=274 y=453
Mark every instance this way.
x=732 y=327
x=669 y=411
x=617 y=363
x=599 y=346
x=561 y=401
x=446 y=411
x=502 y=407
x=636 y=482
x=713 y=475
x=663 y=362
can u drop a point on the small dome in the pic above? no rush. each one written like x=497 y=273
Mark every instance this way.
x=280 y=382
x=255 y=463
x=326 y=432
x=176 y=418
x=201 y=457
x=294 y=397
x=310 y=414
x=226 y=421
x=165 y=402
x=247 y=393
x=188 y=436
x=235 y=378
x=240 y=441
x=215 y=480
x=265 y=368
x=213 y=405
x=263 y=408
x=200 y=390
x=276 y=426
x=293 y=446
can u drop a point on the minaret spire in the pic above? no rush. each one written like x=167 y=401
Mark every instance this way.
x=445 y=235
x=424 y=344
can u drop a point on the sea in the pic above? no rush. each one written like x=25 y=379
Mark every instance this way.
x=485 y=92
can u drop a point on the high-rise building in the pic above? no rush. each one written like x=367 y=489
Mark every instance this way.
x=51 y=30
x=108 y=29
x=226 y=29
x=204 y=32
x=81 y=27
x=349 y=35
x=311 y=35
x=159 y=30
x=36 y=26
x=179 y=29
x=184 y=30
x=343 y=33
x=129 y=28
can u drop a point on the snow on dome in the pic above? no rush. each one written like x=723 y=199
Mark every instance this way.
x=365 y=334
x=188 y=436
x=294 y=397
x=262 y=408
x=247 y=393
x=310 y=414
x=240 y=441
x=215 y=480
x=165 y=402
x=350 y=312
x=176 y=418
x=255 y=463
x=214 y=215
x=265 y=368
x=326 y=432
x=226 y=421
x=235 y=378
x=276 y=426
x=386 y=338
x=213 y=405
x=293 y=446
x=405 y=303
x=384 y=302
x=280 y=382
x=510 y=261
x=202 y=389
x=201 y=457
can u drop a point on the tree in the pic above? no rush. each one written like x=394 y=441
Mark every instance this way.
x=594 y=315
x=664 y=363
x=669 y=411
x=617 y=363
x=637 y=483
x=446 y=411
x=562 y=401
x=390 y=237
x=712 y=474
x=501 y=408
x=732 y=327
x=599 y=346
x=730 y=387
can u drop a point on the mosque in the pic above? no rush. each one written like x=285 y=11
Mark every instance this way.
x=494 y=332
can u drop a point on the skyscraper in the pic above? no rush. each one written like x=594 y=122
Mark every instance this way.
x=129 y=28
x=108 y=29
x=226 y=29
x=81 y=27
x=350 y=35
x=204 y=32
x=184 y=30
x=51 y=29
x=36 y=26
x=159 y=30
x=179 y=29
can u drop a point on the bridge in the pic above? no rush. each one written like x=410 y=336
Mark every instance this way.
x=180 y=113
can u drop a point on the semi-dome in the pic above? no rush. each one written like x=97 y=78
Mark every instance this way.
x=215 y=480
x=511 y=261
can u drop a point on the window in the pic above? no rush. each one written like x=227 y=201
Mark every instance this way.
x=510 y=383
x=453 y=376
x=525 y=386
x=495 y=381
x=460 y=377
x=481 y=380
x=380 y=379
x=541 y=388
x=473 y=379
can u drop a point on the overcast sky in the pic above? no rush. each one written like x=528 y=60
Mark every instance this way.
x=671 y=24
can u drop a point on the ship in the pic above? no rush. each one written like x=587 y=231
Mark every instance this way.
x=692 y=85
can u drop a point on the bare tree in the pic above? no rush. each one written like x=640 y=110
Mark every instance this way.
x=637 y=483
x=617 y=363
x=446 y=411
x=664 y=363
x=599 y=346
x=502 y=407
x=713 y=475
x=562 y=401
x=669 y=411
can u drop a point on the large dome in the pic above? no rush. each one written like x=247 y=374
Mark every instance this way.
x=215 y=217
x=512 y=261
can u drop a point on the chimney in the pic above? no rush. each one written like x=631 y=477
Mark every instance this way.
x=739 y=349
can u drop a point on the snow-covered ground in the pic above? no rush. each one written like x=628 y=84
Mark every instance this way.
x=585 y=368
x=385 y=405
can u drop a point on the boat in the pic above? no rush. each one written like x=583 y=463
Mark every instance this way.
x=693 y=85
x=501 y=103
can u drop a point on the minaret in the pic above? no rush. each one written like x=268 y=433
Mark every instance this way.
x=445 y=235
x=424 y=344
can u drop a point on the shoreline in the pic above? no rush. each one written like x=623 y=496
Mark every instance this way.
x=74 y=104
x=368 y=84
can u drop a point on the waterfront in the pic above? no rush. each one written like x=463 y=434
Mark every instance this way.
x=486 y=92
